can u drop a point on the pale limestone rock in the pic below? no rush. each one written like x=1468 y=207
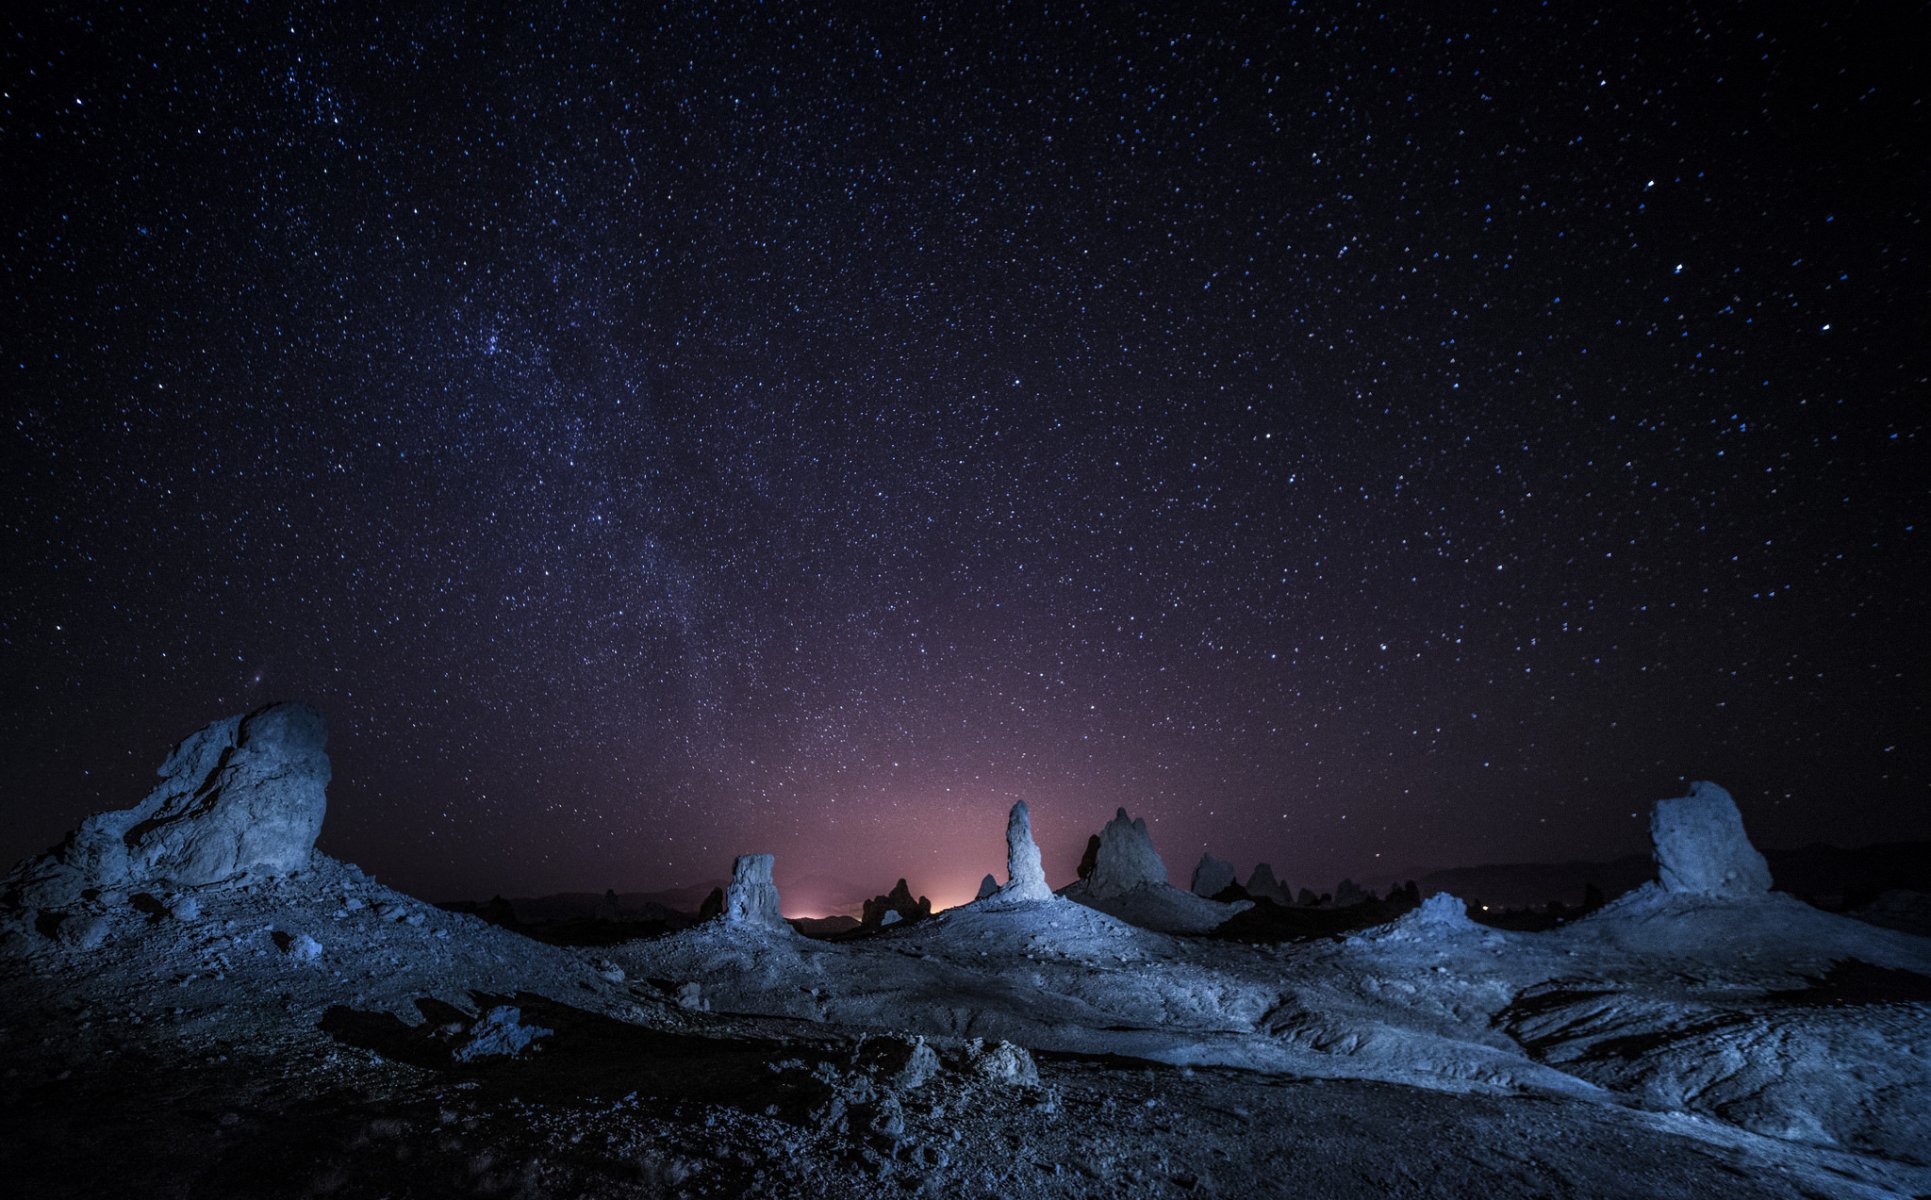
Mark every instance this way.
x=1702 y=849
x=242 y=796
x=1126 y=858
x=1025 y=877
x=751 y=901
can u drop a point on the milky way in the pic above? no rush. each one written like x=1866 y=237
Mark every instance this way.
x=1356 y=440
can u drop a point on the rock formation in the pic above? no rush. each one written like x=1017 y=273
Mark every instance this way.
x=751 y=901
x=1262 y=885
x=987 y=887
x=1212 y=877
x=1090 y=857
x=897 y=901
x=1348 y=893
x=1701 y=848
x=1126 y=858
x=242 y=796
x=1025 y=877
x=712 y=905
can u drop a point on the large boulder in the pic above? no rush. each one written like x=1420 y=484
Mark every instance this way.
x=1025 y=877
x=988 y=886
x=1701 y=848
x=242 y=796
x=1212 y=877
x=751 y=902
x=1126 y=858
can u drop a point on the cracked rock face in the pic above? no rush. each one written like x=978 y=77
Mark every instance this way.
x=1126 y=858
x=752 y=899
x=242 y=796
x=1701 y=848
x=1025 y=877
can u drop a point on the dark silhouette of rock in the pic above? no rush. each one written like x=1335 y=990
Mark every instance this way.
x=608 y=909
x=1701 y=848
x=987 y=887
x=1090 y=858
x=1212 y=876
x=713 y=905
x=897 y=901
x=242 y=796
x=498 y=911
x=1262 y=885
x=1348 y=892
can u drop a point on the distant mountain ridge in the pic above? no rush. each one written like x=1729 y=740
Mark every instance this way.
x=1837 y=876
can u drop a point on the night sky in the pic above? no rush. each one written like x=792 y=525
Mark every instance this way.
x=1359 y=440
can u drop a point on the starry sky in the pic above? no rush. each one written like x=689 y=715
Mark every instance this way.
x=1361 y=439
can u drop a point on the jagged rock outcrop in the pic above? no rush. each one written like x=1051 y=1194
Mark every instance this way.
x=1701 y=847
x=751 y=902
x=987 y=887
x=1129 y=882
x=1262 y=885
x=1126 y=858
x=1306 y=898
x=899 y=902
x=1348 y=893
x=1212 y=877
x=244 y=795
x=1025 y=877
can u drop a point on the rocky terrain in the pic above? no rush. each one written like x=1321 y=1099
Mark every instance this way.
x=197 y=1003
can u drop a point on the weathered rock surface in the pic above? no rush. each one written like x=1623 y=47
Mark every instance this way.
x=751 y=901
x=1701 y=848
x=1212 y=877
x=1025 y=877
x=1126 y=858
x=244 y=795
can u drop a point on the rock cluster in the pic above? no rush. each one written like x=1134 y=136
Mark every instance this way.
x=1701 y=848
x=1025 y=877
x=751 y=902
x=897 y=905
x=1212 y=877
x=1125 y=859
x=244 y=795
x=498 y=1033
x=902 y=1098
